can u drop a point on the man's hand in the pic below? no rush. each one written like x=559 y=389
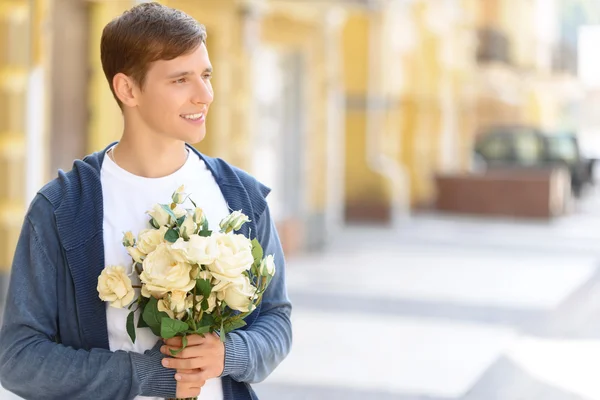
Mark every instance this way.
x=189 y=383
x=202 y=359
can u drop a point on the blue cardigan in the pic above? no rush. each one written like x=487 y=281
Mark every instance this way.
x=54 y=339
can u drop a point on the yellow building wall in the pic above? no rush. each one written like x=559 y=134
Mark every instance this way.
x=364 y=189
x=15 y=25
x=417 y=122
x=306 y=36
x=23 y=50
x=413 y=113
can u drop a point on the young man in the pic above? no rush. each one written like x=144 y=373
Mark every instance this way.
x=58 y=339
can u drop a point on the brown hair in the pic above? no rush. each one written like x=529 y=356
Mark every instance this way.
x=146 y=33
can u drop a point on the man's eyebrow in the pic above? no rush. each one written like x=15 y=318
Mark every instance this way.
x=179 y=74
x=186 y=73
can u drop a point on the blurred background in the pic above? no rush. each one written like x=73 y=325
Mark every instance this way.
x=433 y=174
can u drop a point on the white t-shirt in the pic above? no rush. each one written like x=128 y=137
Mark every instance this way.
x=126 y=198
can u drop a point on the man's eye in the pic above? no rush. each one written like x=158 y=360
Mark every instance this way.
x=181 y=80
x=208 y=76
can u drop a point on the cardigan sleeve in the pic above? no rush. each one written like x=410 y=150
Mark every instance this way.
x=33 y=364
x=252 y=354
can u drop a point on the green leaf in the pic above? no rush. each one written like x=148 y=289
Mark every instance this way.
x=205 y=225
x=204 y=305
x=222 y=333
x=207 y=319
x=204 y=287
x=130 y=326
x=191 y=324
x=184 y=343
x=154 y=224
x=193 y=202
x=169 y=211
x=143 y=302
x=254 y=269
x=257 y=251
x=203 y=329
x=180 y=220
x=205 y=233
x=171 y=327
x=171 y=235
x=142 y=323
x=231 y=325
x=153 y=317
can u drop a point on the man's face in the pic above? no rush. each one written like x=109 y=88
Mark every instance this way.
x=176 y=96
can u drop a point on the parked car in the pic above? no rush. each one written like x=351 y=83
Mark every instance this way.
x=525 y=146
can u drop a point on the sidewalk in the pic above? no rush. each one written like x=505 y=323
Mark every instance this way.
x=443 y=310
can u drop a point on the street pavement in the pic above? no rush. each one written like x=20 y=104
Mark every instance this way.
x=448 y=308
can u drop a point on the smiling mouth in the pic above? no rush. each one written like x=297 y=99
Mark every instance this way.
x=193 y=117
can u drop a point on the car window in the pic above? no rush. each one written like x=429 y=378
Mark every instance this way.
x=528 y=148
x=495 y=148
x=562 y=148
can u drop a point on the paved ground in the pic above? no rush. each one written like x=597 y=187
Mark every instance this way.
x=448 y=308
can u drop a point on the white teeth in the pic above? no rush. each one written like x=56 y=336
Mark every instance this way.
x=192 y=116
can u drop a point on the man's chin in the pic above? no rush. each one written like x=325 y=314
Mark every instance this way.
x=196 y=138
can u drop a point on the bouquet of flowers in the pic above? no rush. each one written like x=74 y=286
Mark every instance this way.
x=192 y=280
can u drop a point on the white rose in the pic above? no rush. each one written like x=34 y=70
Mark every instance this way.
x=148 y=239
x=212 y=302
x=267 y=266
x=238 y=294
x=160 y=215
x=145 y=292
x=206 y=275
x=179 y=211
x=199 y=216
x=137 y=255
x=235 y=256
x=177 y=301
x=188 y=228
x=174 y=304
x=166 y=270
x=128 y=239
x=233 y=221
x=198 y=273
x=115 y=286
x=199 y=249
x=163 y=306
x=179 y=195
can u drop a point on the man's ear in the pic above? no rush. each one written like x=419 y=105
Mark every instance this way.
x=125 y=89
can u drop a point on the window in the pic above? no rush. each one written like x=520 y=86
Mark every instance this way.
x=528 y=149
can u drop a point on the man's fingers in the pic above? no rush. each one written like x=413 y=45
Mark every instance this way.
x=188 y=352
x=192 y=340
x=186 y=392
x=183 y=363
x=189 y=383
x=195 y=376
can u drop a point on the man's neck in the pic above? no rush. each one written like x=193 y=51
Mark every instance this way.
x=149 y=159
